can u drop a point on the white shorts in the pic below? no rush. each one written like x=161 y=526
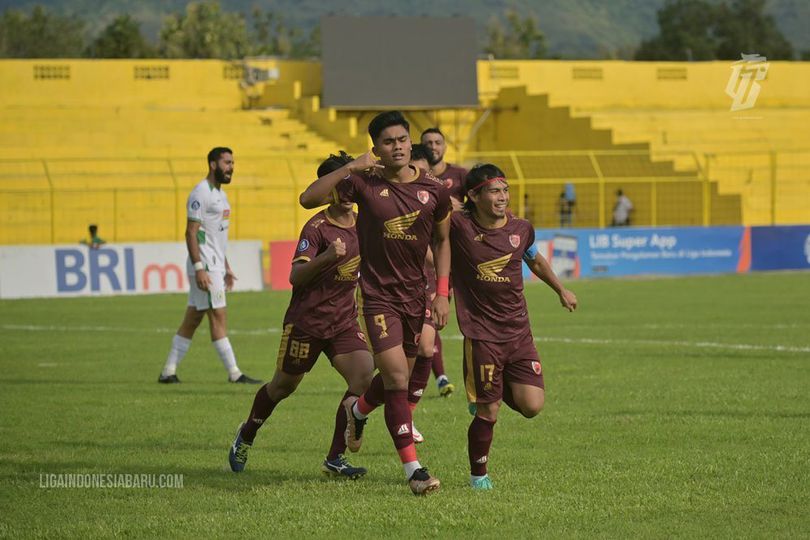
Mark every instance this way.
x=214 y=298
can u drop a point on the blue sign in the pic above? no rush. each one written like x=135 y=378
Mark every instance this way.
x=780 y=248
x=639 y=251
x=72 y=275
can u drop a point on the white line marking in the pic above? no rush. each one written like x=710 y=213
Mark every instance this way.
x=113 y=329
x=546 y=339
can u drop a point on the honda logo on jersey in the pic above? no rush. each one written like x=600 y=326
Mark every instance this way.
x=423 y=196
x=514 y=239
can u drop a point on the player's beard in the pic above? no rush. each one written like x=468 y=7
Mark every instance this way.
x=220 y=177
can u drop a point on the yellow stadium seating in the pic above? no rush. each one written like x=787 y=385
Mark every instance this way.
x=120 y=143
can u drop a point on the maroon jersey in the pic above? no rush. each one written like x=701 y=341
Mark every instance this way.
x=487 y=272
x=394 y=227
x=325 y=306
x=453 y=178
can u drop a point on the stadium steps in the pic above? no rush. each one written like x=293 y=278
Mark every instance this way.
x=41 y=133
x=738 y=149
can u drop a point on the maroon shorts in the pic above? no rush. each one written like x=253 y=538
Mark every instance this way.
x=429 y=313
x=488 y=365
x=387 y=325
x=299 y=351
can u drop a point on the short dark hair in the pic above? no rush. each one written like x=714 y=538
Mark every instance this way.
x=93 y=229
x=217 y=152
x=479 y=173
x=420 y=151
x=432 y=130
x=385 y=120
x=333 y=163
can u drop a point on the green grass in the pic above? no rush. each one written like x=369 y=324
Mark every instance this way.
x=659 y=422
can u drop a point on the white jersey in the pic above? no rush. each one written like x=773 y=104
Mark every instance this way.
x=209 y=206
x=621 y=211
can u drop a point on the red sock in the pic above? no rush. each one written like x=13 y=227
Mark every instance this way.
x=419 y=379
x=407 y=454
x=438 y=359
x=339 y=436
x=262 y=409
x=373 y=397
x=479 y=439
x=398 y=418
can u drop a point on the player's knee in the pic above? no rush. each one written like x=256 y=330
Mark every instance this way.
x=488 y=411
x=425 y=350
x=396 y=381
x=359 y=382
x=195 y=318
x=532 y=409
x=277 y=392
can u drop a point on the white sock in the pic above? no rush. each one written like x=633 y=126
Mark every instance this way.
x=225 y=352
x=356 y=412
x=178 y=350
x=410 y=467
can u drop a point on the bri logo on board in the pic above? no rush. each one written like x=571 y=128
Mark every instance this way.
x=95 y=270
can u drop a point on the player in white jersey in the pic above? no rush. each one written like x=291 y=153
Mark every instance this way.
x=209 y=273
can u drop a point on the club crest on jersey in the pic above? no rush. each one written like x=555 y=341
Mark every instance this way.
x=423 y=196
x=537 y=367
x=448 y=183
x=514 y=239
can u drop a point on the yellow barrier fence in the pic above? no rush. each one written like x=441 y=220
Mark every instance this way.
x=54 y=200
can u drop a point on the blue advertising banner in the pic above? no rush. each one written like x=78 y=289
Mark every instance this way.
x=780 y=248
x=645 y=251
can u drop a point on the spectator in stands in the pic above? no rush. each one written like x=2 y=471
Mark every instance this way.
x=566 y=210
x=94 y=241
x=622 y=210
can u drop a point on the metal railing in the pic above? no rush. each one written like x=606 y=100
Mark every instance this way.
x=53 y=200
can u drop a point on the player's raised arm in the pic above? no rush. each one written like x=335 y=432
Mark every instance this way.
x=540 y=268
x=319 y=192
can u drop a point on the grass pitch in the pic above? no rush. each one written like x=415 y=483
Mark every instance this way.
x=674 y=408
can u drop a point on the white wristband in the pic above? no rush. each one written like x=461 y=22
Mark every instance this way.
x=199 y=265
